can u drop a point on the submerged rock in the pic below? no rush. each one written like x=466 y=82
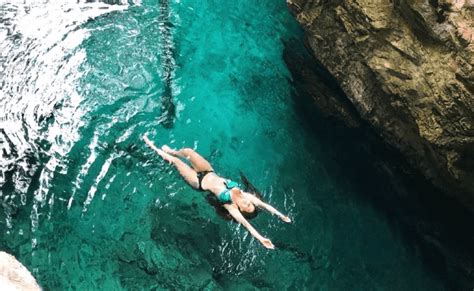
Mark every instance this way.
x=14 y=276
x=407 y=68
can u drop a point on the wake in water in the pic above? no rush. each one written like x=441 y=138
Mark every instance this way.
x=168 y=108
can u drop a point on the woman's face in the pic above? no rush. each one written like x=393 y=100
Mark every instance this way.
x=246 y=206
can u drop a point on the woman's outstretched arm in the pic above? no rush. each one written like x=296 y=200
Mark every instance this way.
x=238 y=216
x=268 y=207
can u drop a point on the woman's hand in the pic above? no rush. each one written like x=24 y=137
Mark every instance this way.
x=285 y=219
x=267 y=243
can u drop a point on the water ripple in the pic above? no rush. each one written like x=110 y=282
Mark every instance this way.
x=93 y=189
x=40 y=110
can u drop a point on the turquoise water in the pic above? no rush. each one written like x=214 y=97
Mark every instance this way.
x=85 y=205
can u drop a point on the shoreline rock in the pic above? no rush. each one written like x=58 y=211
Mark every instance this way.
x=15 y=276
x=407 y=69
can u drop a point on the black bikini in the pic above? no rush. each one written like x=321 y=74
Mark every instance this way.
x=200 y=176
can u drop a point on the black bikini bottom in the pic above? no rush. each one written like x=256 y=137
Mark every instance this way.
x=200 y=176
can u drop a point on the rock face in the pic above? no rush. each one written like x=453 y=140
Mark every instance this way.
x=14 y=276
x=407 y=68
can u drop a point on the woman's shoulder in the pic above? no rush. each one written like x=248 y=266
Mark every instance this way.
x=251 y=197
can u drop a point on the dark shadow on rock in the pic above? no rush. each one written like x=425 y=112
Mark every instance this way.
x=309 y=77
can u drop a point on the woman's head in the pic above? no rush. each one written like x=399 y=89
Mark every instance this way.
x=245 y=205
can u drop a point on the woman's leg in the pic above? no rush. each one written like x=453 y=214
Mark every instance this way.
x=197 y=161
x=188 y=174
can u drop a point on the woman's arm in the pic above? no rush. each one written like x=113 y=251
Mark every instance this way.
x=268 y=207
x=238 y=216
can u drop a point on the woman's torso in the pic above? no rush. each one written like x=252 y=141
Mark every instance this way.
x=213 y=183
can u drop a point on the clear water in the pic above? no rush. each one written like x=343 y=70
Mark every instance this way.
x=85 y=205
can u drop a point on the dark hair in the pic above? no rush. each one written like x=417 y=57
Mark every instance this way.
x=250 y=215
x=249 y=188
x=220 y=210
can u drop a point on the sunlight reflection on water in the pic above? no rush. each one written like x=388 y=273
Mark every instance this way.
x=40 y=66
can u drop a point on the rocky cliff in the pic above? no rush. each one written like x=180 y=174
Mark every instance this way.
x=407 y=68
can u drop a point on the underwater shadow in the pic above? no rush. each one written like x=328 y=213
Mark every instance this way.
x=429 y=222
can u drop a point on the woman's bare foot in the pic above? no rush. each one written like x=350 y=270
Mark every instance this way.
x=168 y=150
x=147 y=140
x=162 y=152
x=167 y=157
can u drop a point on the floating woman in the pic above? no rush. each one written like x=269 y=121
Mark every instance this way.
x=201 y=176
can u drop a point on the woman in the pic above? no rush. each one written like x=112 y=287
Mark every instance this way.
x=202 y=177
